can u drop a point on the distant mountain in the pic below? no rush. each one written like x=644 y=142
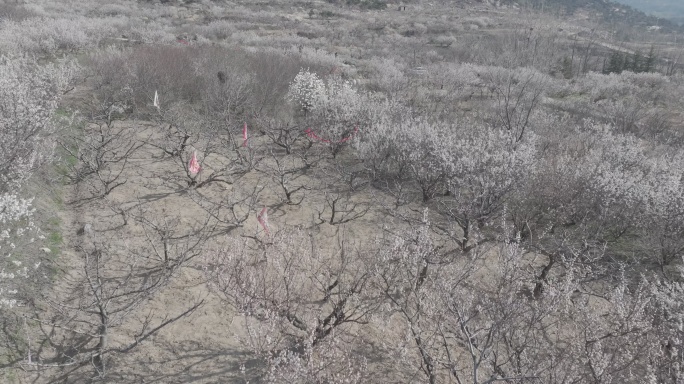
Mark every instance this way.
x=624 y=11
x=666 y=9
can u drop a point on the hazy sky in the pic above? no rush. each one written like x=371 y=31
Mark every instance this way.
x=663 y=8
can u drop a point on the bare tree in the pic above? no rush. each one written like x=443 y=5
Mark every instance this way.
x=230 y=209
x=104 y=294
x=102 y=150
x=284 y=134
x=296 y=297
x=518 y=94
x=342 y=207
x=285 y=172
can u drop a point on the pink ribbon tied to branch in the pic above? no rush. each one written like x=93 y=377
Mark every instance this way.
x=193 y=165
x=244 y=135
x=262 y=218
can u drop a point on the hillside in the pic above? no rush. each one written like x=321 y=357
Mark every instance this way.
x=340 y=192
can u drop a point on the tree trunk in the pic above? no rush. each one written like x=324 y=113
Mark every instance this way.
x=539 y=286
x=98 y=359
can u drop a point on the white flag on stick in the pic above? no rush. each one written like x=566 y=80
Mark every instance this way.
x=262 y=218
x=156 y=100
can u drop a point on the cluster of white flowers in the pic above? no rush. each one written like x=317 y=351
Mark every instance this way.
x=614 y=85
x=307 y=91
x=28 y=99
x=15 y=227
x=334 y=110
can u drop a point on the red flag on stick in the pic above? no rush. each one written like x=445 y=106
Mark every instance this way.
x=194 y=166
x=244 y=135
x=262 y=218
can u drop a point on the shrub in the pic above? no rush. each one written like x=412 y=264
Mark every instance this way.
x=28 y=99
x=14 y=12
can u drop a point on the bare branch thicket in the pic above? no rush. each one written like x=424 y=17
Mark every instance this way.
x=398 y=188
x=297 y=298
x=660 y=224
x=228 y=210
x=106 y=289
x=473 y=319
x=229 y=79
x=272 y=74
x=348 y=172
x=284 y=134
x=635 y=105
x=223 y=133
x=383 y=154
x=378 y=155
x=248 y=158
x=178 y=132
x=343 y=192
x=491 y=331
x=343 y=207
x=518 y=94
x=111 y=73
x=390 y=77
x=665 y=235
x=169 y=70
x=658 y=127
x=193 y=132
x=624 y=317
x=171 y=241
x=405 y=282
x=583 y=205
x=451 y=330
x=285 y=171
x=538 y=46
x=102 y=151
x=386 y=170
x=105 y=294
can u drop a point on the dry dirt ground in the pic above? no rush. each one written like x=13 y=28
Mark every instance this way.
x=200 y=347
x=203 y=347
